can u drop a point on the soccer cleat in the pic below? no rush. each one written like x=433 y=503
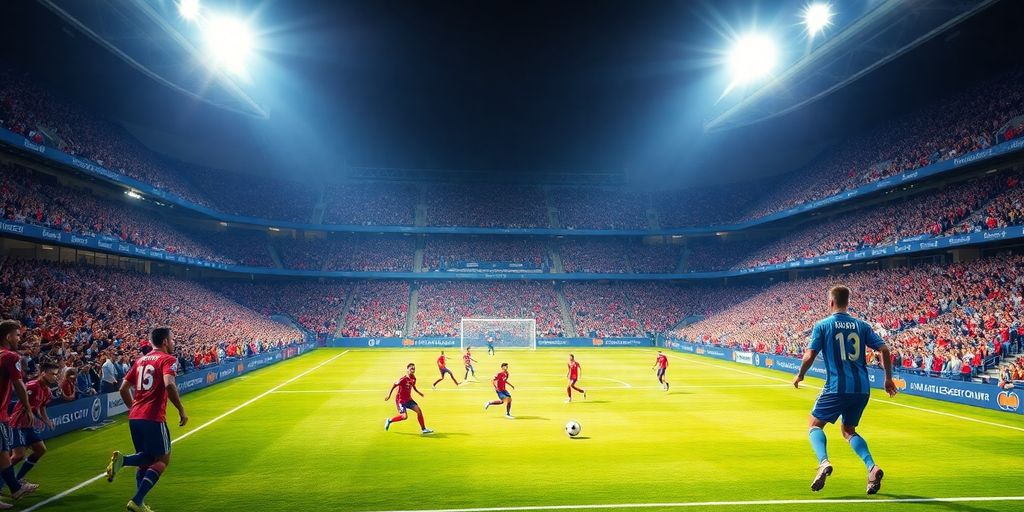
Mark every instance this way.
x=24 y=490
x=4 y=505
x=875 y=479
x=509 y=416
x=824 y=470
x=132 y=507
x=26 y=482
x=116 y=463
x=584 y=395
x=387 y=424
x=568 y=400
x=426 y=431
x=666 y=386
x=486 y=405
x=433 y=386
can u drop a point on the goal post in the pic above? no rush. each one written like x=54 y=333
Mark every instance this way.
x=504 y=333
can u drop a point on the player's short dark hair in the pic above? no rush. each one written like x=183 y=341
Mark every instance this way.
x=840 y=295
x=48 y=366
x=410 y=365
x=504 y=365
x=8 y=326
x=159 y=335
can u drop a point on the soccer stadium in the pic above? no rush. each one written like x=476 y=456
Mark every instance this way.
x=486 y=256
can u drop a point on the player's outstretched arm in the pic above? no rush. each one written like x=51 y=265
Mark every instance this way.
x=175 y=398
x=393 y=386
x=126 y=393
x=890 y=386
x=414 y=388
x=805 y=365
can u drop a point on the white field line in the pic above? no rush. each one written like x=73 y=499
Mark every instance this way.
x=541 y=388
x=889 y=402
x=186 y=435
x=687 y=504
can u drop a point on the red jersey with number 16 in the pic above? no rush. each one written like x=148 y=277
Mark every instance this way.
x=147 y=379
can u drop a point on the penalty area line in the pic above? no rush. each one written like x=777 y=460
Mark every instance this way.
x=687 y=504
x=186 y=435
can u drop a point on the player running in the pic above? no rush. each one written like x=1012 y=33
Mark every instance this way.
x=23 y=424
x=661 y=363
x=443 y=368
x=504 y=397
x=573 y=376
x=10 y=379
x=406 y=385
x=468 y=360
x=152 y=379
x=841 y=338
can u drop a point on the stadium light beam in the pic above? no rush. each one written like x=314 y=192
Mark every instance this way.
x=753 y=56
x=229 y=42
x=817 y=17
x=188 y=9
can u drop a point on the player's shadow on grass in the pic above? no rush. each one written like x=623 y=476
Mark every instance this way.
x=438 y=435
x=531 y=418
x=579 y=437
x=952 y=505
x=679 y=393
x=593 y=402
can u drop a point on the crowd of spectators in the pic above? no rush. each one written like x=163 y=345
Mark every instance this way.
x=600 y=208
x=595 y=256
x=260 y=196
x=79 y=316
x=378 y=308
x=371 y=204
x=363 y=253
x=441 y=253
x=951 y=321
x=313 y=305
x=482 y=205
x=33 y=198
x=442 y=306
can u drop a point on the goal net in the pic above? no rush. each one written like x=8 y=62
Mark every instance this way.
x=504 y=333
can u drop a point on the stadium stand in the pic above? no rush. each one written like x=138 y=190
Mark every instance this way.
x=379 y=308
x=442 y=306
x=314 y=306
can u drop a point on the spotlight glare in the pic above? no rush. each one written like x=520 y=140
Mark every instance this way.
x=752 y=57
x=188 y=9
x=229 y=42
x=817 y=17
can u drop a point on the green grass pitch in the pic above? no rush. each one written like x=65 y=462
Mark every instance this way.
x=310 y=437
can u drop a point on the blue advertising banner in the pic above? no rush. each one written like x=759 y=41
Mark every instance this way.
x=88 y=411
x=89 y=167
x=968 y=393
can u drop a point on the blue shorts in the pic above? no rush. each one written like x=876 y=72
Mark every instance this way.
x=24 y=437
x=661 y=373
x=6 y=438
x=150 y=437
x=503 y=395
x=445 y=370
x=850 y=406
x=402 y=407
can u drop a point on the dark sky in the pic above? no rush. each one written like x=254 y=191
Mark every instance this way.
x=508 y=86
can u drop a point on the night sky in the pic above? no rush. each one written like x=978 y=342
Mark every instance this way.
x=503 y=86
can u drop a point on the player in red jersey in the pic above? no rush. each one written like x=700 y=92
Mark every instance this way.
x=468 y=360
x=661 y=363
x=573 y=376
x=406 y=385
x=443 y=368
x=10 y=380
x=152 y=379
x=504 y=397
x=23 y=425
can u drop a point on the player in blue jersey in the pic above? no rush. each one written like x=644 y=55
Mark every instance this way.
x=841 y=339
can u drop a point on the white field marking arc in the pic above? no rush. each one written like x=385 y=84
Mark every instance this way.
x=897 y=404
x=544 y=388
x=687 y=504
x=186 y=435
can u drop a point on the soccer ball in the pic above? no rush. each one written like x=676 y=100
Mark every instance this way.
x=572 y=428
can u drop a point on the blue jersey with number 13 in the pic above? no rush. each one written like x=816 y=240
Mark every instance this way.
x=841 y=340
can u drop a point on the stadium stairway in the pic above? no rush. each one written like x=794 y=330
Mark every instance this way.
x=684 y=256
x=563 y=305
x=319 y=209
x=556 y=258
x=417 y=259
x=274 y=255
x=344 y=311
x=410 y=316
x=421 y=208
x=992 y=374
x=553 y=220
